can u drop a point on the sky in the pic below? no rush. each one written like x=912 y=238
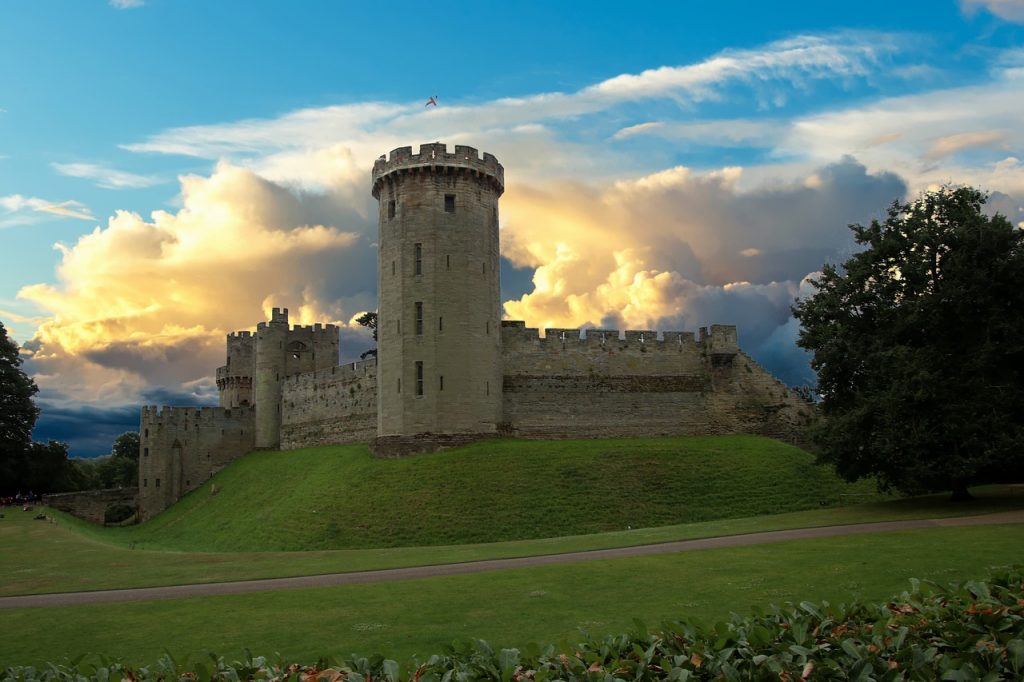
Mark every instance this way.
x=172 y=169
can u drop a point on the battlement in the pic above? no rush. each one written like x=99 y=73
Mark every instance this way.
x=720 y=340
x=317 y=328
x=435 y=157
x=240 y=335
x=350 y=370
x=154 y=414
x=278 y=317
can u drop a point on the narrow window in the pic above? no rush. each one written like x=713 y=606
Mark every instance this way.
x=419 y=377
x=156 y=484
x=449 y=203
x=441 y=383
x=399 y=384
x=187 y=483
x=391 y=209
x=145 y=483
x=419 y=318
x=487 y=327
x=398 y=326
x=147 y=430
x=145 y=452
x=440 y=324
x=418 y=257
x=488 y=388
x=483 y=267
x=392 y=268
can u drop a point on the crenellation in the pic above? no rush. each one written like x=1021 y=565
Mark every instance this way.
x=566 y=334
x=435 y=156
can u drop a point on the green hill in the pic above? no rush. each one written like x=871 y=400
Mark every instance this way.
x=340 y=497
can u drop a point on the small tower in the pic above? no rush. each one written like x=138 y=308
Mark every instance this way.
x=270 y=370
x=438 y=328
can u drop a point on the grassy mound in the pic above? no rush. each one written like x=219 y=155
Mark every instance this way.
x=340 y=497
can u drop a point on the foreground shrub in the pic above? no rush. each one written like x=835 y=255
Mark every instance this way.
x=973 y=631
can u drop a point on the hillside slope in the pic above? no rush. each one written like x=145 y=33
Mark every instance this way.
x=340 y=497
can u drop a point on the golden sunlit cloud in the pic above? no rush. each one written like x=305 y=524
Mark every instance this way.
x=148 y=301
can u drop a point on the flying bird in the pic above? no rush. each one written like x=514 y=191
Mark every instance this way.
x=431 y=101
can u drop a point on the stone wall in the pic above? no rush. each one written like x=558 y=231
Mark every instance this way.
x=603 y=385
x=181 y=447
x=91 y=504
x=336 y=405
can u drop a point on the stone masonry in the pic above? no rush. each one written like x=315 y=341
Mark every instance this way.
x=449 y=370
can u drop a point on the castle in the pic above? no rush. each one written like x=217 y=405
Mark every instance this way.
x=449 y=370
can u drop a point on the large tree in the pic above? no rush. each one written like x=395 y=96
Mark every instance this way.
x=918 y=342
x=17 y=414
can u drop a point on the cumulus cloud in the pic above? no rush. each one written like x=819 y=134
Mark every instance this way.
x=680 y=249
x=107 y=177
x=142 y=303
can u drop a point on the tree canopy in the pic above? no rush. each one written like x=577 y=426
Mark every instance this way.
x=17 y=414
x=369 y=320
x=918 y=343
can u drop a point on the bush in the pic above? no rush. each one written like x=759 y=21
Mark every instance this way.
x=116 y=513
x=964 y=632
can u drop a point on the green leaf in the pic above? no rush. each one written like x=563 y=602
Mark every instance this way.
x=1015 y=653
x=390 y=670
x=851 y=649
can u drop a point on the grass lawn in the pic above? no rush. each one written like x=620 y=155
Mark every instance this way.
x=339 y=497
x=510 y=608
x=70 y=555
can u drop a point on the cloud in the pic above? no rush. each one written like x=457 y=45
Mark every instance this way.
x=681 y=249
x=105 y=176
x=526 y=124
x=126 y=4
x=1010 y=10
x=21 y=210
x=723 y=133
x=142 y=303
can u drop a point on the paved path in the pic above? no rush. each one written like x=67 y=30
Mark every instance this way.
x=357 y=577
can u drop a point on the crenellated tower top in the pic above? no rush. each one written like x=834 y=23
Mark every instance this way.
x=434 y=157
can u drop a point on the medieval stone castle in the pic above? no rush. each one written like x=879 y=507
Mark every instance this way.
x=449 y=369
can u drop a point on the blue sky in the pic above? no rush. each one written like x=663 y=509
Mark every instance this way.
x=667 y=167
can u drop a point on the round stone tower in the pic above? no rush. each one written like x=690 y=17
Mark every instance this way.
x=438 y=329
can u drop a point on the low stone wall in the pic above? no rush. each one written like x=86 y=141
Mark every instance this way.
x=393 y=447
x=91 y=504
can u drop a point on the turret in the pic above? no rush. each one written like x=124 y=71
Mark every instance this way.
x=439 y=337
x=270 y=370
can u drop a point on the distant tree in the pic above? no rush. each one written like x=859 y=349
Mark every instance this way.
x=119 y=469
x=17 y=414
x=918 y=343
x=369 y=320
x=48 y=470
x=127 y=446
